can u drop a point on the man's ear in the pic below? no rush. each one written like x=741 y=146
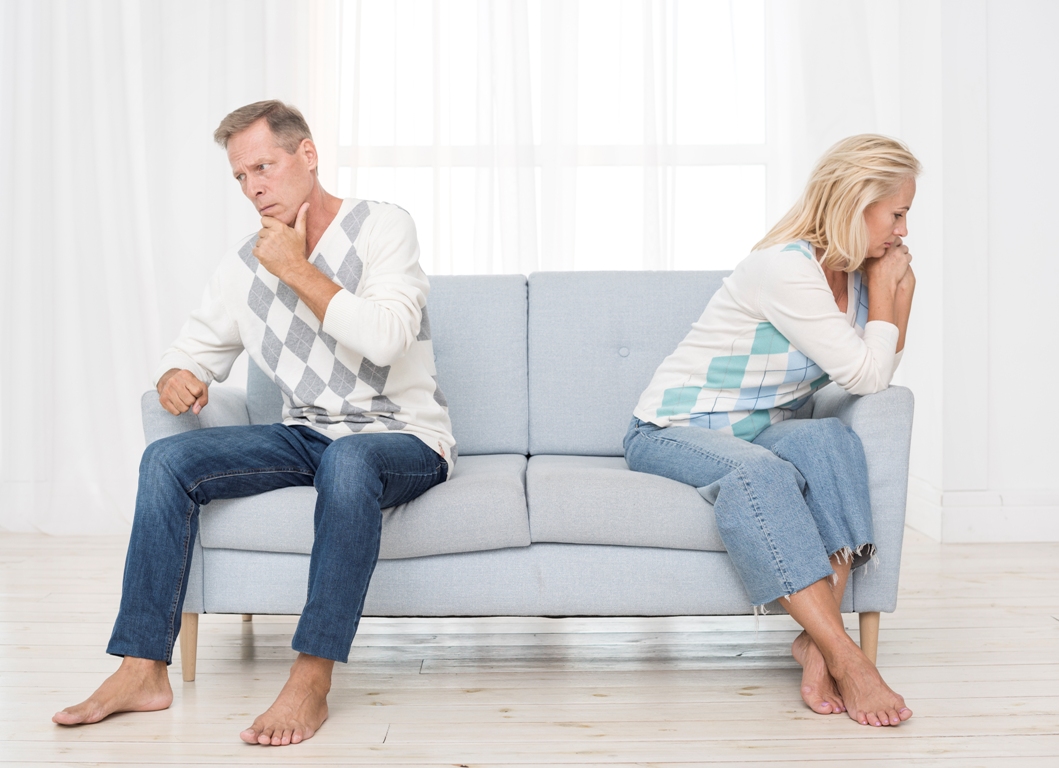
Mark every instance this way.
x=309 y=150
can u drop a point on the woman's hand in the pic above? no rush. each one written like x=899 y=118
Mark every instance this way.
x=885 y=273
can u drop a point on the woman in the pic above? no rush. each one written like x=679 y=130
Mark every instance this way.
x=824 y=297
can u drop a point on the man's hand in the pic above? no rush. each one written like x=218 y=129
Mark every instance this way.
x=179 y=390
x=280 y=248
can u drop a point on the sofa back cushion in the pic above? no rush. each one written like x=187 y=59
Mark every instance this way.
x=478 y=328
x=595 y=340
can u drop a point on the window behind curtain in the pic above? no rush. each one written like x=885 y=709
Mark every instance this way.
x=559 y=134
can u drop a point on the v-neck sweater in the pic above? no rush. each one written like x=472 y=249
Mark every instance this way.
x=367 y=368
x=768 y=338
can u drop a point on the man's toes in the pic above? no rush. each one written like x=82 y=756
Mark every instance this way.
x=287 y=736
x=249 y=736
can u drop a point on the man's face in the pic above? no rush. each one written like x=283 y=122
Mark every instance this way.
x=275 y=181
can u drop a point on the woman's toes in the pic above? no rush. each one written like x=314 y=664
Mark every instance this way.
x=904 y=713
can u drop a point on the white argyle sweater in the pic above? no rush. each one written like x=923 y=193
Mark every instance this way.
x=369 y=367
x=770 y=337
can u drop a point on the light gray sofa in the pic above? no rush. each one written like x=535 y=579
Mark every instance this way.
x=541 y=515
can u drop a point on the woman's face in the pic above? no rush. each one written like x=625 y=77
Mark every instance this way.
x=887 y=219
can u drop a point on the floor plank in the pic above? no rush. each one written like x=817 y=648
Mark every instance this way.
x=974 y=647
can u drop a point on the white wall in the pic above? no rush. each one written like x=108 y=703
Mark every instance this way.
x=980 y=108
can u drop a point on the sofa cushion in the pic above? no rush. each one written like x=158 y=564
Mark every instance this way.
x=599 y=500
x=482 y=506
x=477 y=324
x=595 y=340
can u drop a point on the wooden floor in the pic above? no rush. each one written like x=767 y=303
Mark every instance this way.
x=974 y=647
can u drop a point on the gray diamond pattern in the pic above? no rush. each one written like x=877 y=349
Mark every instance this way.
x=321 y=264
x=260 y=298
x=300 y=339
x=383 y=404
x=439 y=396
x=284 y=388
x=271 y=346
x=354 y=219
x=351 y=269
x=373 y=375
x=328 y=341
x=310 y=387
x=287 y=295
x=424 y=327
x=342 y=380
x=391 y=423
x=246 y=253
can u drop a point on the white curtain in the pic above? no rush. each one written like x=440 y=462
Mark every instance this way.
x=529 y=135
x=114 y=208
x=540 y=134
x=836 y=72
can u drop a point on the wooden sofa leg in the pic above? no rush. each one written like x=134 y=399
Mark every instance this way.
x=248 y=617
x=869 y=634
x=189 y=644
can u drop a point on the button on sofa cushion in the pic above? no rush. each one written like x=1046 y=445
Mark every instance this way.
x=599 y=500
x=481 y=507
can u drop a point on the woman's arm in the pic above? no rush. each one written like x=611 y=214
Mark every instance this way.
x=903 y=305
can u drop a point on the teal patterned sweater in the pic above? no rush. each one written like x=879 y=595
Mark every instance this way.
x=770 y=337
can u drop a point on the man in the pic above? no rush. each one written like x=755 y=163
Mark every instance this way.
x=329 y=299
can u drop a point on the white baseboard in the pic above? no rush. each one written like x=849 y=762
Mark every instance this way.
x=982 y=516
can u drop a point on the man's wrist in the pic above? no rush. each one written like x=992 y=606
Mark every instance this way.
x=165 y=377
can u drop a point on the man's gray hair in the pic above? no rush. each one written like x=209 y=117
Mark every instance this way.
x=285 y=122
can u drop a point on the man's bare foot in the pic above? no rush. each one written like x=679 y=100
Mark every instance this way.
x=868 y=699
x=818 y=687
x=139 y=685
x=299 y=710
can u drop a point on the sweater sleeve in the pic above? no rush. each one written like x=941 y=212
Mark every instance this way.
x=209 y=342
x=383 y=320
x=796 y=299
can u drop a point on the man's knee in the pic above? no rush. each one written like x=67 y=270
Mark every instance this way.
x=168 y=454
x=346 y=464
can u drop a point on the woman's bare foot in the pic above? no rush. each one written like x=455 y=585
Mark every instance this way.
x=819 y=690
x=299 y=710
x=868 y=699
x=139 y=685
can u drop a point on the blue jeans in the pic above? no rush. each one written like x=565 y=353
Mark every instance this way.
x=355 y=478
x=784 y=503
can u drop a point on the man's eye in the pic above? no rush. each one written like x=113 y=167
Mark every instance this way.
x=240 y=177
x=262 y=167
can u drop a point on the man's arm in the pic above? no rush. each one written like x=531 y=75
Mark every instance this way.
x=281 y=250
x=381 y=322
x=179 y=390
x=203 y=352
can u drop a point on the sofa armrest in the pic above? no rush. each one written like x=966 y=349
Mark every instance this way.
x=883 y=422
x=226 y=408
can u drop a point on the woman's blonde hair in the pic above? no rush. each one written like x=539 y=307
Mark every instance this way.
x=852 y=175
